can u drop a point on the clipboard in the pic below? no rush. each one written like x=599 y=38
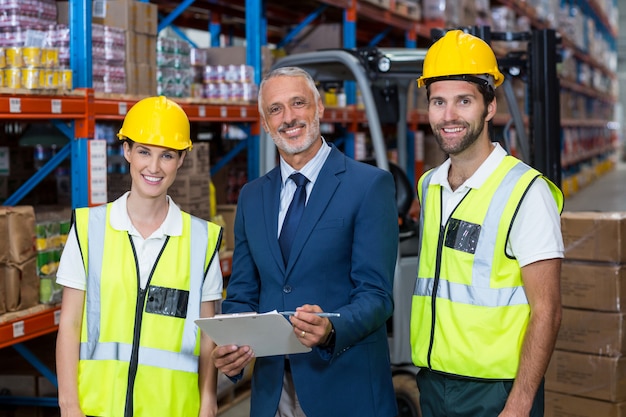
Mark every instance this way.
x=267 y=334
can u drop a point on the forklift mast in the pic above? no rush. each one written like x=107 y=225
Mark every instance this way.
x=379 y=71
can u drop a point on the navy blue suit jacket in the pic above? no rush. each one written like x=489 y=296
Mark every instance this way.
x=342 y=259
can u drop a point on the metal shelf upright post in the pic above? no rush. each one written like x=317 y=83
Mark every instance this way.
x=81 y=64
x=256 y=38
x=349 y=88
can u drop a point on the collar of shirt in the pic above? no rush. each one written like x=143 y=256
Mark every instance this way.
x=311 y=170
x=171 y=226
x=440 y=176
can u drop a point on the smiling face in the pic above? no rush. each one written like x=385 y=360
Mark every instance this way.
x=290 y=115
x=458 y=115
x=152 y=168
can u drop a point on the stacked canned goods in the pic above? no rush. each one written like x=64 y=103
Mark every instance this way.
x=108 y=57
x=229 y=83
x=174 y=73
x=27 y=58
x=34 y=68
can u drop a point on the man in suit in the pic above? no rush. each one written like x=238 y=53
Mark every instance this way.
x=342 y=260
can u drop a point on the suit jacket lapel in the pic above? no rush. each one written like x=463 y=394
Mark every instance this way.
x=271 y=202
x=323 y=190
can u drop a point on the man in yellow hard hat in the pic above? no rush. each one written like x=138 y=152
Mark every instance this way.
x=486 y=308
x=137 y=273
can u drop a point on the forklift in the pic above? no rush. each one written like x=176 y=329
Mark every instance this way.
x=383 y=77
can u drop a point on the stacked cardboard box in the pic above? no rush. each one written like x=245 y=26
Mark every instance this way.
x=587 y=372
x=191 y=188
x=137 y=22
x=141 y=38
x=19 y=283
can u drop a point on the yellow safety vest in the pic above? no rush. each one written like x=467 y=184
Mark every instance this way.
x=140 y=348
x=469 y=311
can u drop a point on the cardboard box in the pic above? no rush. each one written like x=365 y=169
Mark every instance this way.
x=596 y=332
x=561 y=405
x=197 y=160
x=116 y=13
x=21 y=285
x=593 y=286
x=228 y=213
x=141 y=48
x=130 y=70
x=192 y=188
x=140 y=79
x=20 y=228
x=594 y=236
x=125 y=14
x=3 y=295
x=146 y=81
x=589 y=376
x=323 y=36
x=145 y=18
x=198 y=209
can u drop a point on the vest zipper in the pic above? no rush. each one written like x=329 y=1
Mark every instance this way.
x=139 y=307
x=433 y=304
x=440 y=243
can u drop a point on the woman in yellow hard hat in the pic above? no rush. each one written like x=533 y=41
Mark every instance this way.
x=486 y=306
x=137 y=272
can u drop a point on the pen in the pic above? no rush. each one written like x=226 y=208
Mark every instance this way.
x=291 y=313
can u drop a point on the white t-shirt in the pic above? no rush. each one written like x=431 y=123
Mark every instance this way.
x=71 y=272
x=533 y=237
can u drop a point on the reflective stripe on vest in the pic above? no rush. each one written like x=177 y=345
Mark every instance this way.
x=479 y=292
x=185 y=360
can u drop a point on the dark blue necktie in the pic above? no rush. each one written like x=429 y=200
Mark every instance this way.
x=294 y=213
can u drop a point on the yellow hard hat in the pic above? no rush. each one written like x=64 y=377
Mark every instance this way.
x=157 y=121
x=458 y=55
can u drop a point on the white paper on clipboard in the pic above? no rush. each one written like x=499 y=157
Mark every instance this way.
x=267 y=334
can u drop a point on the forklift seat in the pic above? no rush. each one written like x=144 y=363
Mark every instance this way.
x=405 y=194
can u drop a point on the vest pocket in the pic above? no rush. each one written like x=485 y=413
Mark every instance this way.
x=462 y=235
x=167 y=302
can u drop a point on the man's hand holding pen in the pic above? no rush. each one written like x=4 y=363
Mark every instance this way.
x=311 y=328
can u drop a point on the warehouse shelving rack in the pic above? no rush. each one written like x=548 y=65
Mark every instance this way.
x=83 y=107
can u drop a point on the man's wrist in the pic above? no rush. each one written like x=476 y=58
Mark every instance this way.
x=330 y=339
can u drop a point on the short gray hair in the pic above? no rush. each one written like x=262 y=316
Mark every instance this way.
x=287 y=72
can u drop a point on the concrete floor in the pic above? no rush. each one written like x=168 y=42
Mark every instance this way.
x=607 y=193
x=239 y=407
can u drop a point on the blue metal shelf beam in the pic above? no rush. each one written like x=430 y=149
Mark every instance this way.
x=167 y=21
x=215 y=29
x=42 y=173
x=379 y=37
x=305 y=22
